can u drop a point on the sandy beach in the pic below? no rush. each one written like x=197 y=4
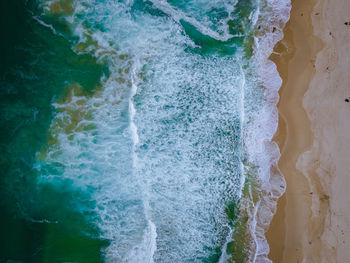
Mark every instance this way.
x=312 y=223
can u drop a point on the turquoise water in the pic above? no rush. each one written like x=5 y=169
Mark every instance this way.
x=138 y=131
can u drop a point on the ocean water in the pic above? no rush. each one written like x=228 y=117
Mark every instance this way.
x=138 y=130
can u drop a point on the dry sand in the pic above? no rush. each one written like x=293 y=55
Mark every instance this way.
x=312 y=223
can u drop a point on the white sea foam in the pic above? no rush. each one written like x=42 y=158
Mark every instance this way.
x=262 y=150
x=165 y=156
x=202 y=26
x=141 y=252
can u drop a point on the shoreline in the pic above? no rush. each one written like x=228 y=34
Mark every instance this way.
x=311 y=223
x=292 y=56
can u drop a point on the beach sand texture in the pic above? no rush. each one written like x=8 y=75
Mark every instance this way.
x=312 y=223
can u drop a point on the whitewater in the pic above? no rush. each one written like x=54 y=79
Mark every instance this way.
x=173 y=149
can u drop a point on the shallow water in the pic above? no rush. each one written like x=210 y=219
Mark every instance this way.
x=127 y=130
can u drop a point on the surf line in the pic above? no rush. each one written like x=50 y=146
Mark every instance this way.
x=225 y=257
x=142 y=252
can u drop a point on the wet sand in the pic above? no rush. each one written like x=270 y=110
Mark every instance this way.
x=312 y=223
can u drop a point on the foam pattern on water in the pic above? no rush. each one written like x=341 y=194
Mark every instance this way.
x=262 y=151
x=160 y=146
x=189 y=151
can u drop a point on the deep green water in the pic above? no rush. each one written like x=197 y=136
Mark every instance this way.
x=123 y=128
x=35 y=65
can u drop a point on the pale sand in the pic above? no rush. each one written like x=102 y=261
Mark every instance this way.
x=312 y=223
